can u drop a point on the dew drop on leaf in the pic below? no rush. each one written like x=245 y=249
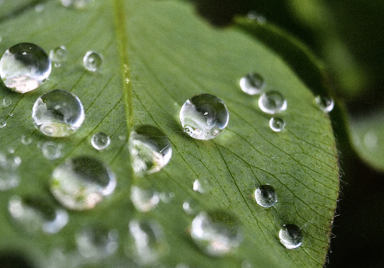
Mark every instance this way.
x=58 y=54
x=24 y=67
x=26 y=140
x=92 y=61
x=9 y=177
x=277 y=124
x=252 y=83
x=51 y=150
x=204 y=116
x=100 y=141
x=201 y=186
x=58 y=113
x=291 y=236
x=266 y=196
x=325 y=103
x=272 y=102
x=3 y=123
x=6 y=102
x=144 y=200
x=190 y=207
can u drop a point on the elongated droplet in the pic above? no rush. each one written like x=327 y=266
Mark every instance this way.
x=58 y=54
x=9 y=176
x=34 y=215
x=150 y=150
x=92 y=61
x=96 y=242
x=100 y=141
x=277 y=124
x=291 y=236
x=51 y=150
x=252 y=83
x=144 y=200
x=82 y=182
x=204 y=116
x=266 y=196
x=24 y=67
x=7 y=102
x=272 y=102
x=58 y=113
x=325 y=103
x=216 y=233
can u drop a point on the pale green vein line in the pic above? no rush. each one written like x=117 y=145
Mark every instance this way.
x=122 y=40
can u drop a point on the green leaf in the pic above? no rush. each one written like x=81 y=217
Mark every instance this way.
x=156 y=55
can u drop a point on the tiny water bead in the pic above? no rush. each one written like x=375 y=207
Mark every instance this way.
x=204 y=116
x=266 y=196
x=144 y=200
x=92 y=61
x=58 y=55
x=82 y=182
x=216 y=233
x=34 y=215
x=100 y=141
x=190 y=207
x=252 y=83
x=6 y=102
x=291 y=236
x=96 y=242
x=9 y=177
x=272 y=102
x=24 y=67
x=58 y=113
x=325 y=103
x=277 y=124
x=51 y=150
x=150 y=149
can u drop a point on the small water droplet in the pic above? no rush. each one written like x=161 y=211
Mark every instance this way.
x=201 y=186
x=82 y=182
x=150 y=149
x=272 y=102
x=325 y=103
x=96 y=242
x=58 y=54
x=277 y=124
x=92 y=61
x=190 y=207
x=78 y=4
x=3 y=123
x=34 y=215
x=291 y=236
x=51 y=150
x=252 y=83
x=26 y=140
x=9 y=177
x=100 y=141
x=216 y=233
x=58 y=113
x=24 y=67
x=7 y=102
x=144 y=200
x=148 y=243
x=266 y=196
x=204 y=116
x=166 y=197
x=39 y=7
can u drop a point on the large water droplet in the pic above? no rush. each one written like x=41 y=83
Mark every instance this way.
x=148 y=243
x=100 y=141
x=216 y=233
x=325 y=103
x=58 y=113
x=78 y=4
x=6 y=102
x=277 y=124
x=51 y=150
x=144 y=200
x=92 y=61
x=34 y=215
x=204 y=116
x=252 y=84
x=24 y=67
x=272 y=102
x=9 y=177
x=150 y=150
x=96 y=242
x=266 y=196
x=58 y=55
x=82 y=182
x=291 y=236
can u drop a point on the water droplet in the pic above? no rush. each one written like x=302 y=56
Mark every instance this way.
x=150 y=150
x=92 y=61
x=24 y=67
x=58 y=54
x=201 y=186
x=277 y=124
x=39 y=7
x=78 y=4
x=325 y=103
x=204 y=116
x=3 y=123
x=34 y=215
x=100 y=141
x=291 y=236
x=166 y=197
x=58 y=113
x=9 y=177
x=216 y=233
x=266 y=196
x=272 y=102
x=51 y=150
x=7 y=102
x=26 y=140
x=148 y=243
x=190 y=207
x=97 y=242
x=252 y=83
x=80 y=183
x=144 y=200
